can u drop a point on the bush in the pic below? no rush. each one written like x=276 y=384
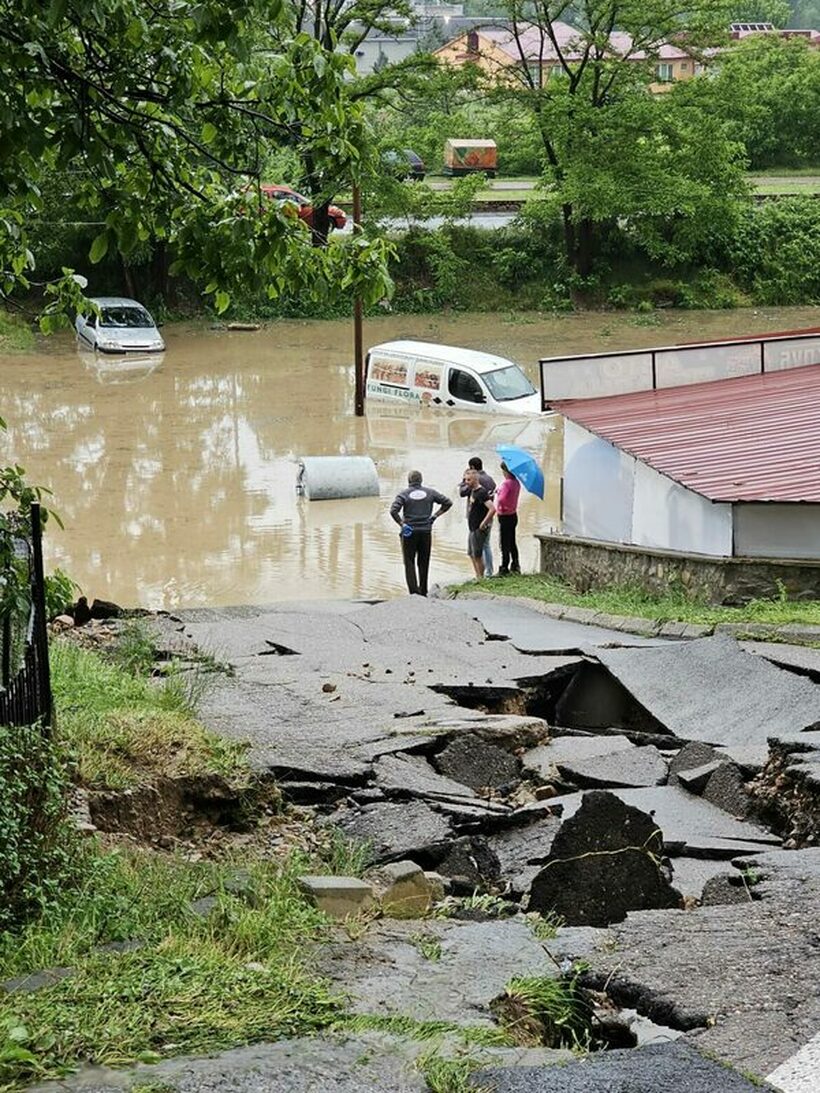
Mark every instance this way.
x=36 y=842
x=776 y=251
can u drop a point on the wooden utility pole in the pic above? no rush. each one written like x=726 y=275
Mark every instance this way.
x=358 y=355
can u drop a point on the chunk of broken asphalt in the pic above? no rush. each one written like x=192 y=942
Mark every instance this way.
x=604 y=861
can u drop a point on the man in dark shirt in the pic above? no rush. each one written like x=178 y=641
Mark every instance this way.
x=413 y=512
x=488 y=482
x=480 y=511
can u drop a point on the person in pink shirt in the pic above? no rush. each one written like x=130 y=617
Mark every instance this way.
x=506 y=506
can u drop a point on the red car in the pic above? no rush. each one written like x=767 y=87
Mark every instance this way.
x=285 y=193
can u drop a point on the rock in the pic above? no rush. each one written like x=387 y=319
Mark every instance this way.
x=656 y=1068
x=204 y=907
x=402 y=889
x=633 y=766
x=62 y=622
x=691 y=755
x=477 y=764
x=396 y=830
x=35 y=981
x=725 y=888
x=694 y=779
x=439 y=885
x=328 y=688
x=726 y=789
x=81 y=612
x=104 y=609
x=471 y=859
x=338 y=897
x=604 y=861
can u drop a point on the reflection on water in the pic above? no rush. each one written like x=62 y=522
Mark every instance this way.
x=175 y=475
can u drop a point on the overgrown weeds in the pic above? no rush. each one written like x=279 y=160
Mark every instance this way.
x=545 y=1012
x=449 y=1075
x=195 y=983
x=125 y=729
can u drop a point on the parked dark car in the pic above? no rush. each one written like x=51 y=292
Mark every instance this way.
x=404 y=163
x=303 y=204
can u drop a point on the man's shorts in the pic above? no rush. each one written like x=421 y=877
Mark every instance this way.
x=476 y=542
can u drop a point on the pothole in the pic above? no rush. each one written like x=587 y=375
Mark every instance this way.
x=563 y=1013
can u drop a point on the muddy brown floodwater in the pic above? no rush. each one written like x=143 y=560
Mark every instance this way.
x=176 y=483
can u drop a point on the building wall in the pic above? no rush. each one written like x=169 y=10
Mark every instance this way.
x=611 y=496
x=778 y=530
x=492 y=61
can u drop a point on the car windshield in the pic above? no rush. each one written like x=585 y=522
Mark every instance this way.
x=508 y=383
x=136 y=317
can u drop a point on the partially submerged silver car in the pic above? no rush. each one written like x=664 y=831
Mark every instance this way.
x=122 y=326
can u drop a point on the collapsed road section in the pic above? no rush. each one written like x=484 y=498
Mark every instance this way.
x=656 y=800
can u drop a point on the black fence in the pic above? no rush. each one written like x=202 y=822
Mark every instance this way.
x=25 y=694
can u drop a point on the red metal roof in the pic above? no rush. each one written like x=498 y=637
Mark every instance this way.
x=754 y=438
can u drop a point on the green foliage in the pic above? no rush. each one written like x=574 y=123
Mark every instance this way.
x=765 y=91
x=197 y=984
x=36 y=847
x=775 y=252
x=156 y=121
x=60 y=593
x=545 y=927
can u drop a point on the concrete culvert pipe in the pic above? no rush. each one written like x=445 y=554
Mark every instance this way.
x=333 y=477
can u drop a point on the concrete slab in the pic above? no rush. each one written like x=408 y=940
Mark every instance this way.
x=532 y=632
x=544 y=760
x=690 y=875
x=690 y=825
x=412 y=776
x=656 y=1068
x=521 y=851
x=396 y=830
x=802 y=659
x=741 y=978
x=710 y=690
x=385 y=971
x=635 y=766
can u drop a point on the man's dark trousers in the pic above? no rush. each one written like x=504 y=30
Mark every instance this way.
x=416 y=551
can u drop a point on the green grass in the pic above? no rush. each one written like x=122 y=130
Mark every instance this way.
x=124 y=729
x=445 y=1075
x=536 y=1011
x=674 y=606
x=15 y=334
x=786 y=187
x=198 y=984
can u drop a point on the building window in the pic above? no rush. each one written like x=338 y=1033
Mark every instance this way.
x=665 y=73
x=684 y=66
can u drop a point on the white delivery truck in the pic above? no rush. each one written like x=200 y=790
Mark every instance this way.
x=444 y=375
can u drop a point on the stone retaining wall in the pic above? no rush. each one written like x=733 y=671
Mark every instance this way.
x=589 y=563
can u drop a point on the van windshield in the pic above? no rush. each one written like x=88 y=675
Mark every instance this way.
x=508 y=383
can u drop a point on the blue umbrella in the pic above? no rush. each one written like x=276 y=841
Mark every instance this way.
x=524 y=466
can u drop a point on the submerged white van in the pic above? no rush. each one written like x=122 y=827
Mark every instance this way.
x=444 y=375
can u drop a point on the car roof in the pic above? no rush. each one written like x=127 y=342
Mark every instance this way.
x=116 y=301
x=445 y=354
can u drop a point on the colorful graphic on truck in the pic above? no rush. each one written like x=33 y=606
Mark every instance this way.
x=429 y=377
x=385 y=370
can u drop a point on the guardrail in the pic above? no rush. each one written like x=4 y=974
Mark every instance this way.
x=593 y=375
x=25 y=675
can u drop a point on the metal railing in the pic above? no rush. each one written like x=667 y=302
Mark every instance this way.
x=592 y=375
x=25 y=675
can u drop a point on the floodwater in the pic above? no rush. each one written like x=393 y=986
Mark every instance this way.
x=176 y=479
